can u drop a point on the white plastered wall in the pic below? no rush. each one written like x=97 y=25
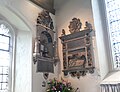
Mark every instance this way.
x=100 y=39
x=80 y=9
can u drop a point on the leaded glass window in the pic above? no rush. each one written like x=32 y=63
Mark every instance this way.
x=5 y=58
x=113 y=18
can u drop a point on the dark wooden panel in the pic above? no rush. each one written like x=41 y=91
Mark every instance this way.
x=46 y=4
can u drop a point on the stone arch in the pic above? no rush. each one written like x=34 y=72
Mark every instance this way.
x=23 y=39
x=14 y=19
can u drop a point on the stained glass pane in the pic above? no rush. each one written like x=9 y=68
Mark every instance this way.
x=4 y=39
x=4 y=30
x=4 y=57
x=113 y=15
x=0 y=70
x=5 y=70
x=0 y=78
x=4 y=78
x=4 y=86
x=4 y=42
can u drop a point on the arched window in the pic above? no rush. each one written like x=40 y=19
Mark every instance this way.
x=6 y=56
x=113 y=19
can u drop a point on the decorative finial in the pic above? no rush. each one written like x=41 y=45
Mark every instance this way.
x=88 y=25
x=63 y=32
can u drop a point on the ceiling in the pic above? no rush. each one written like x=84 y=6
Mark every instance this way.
x=59 y=3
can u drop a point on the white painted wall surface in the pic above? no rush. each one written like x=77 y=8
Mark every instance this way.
x=100 y=39
x=23 y=61
x=80 y=9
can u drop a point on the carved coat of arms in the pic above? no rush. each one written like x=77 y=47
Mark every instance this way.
x=75 y=25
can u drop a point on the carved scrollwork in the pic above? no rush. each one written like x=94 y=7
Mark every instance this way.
x=45 y=19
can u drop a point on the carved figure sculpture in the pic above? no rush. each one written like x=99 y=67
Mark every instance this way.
x=75 y=25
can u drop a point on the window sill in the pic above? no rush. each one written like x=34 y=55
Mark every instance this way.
x=111 y=78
